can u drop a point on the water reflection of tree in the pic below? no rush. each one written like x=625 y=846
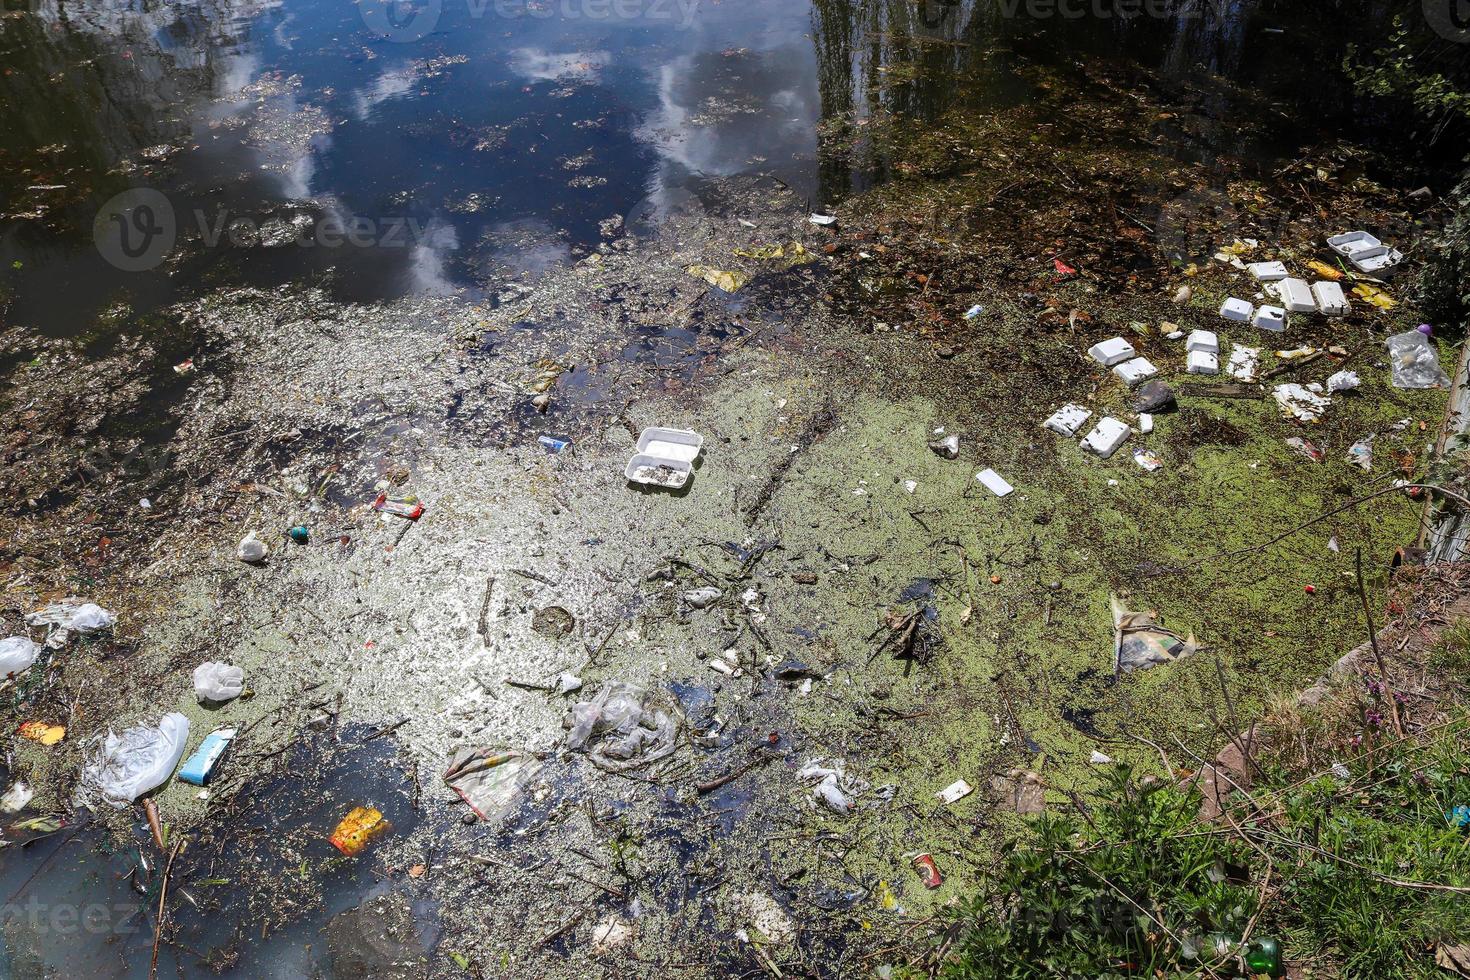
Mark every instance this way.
x=858 y=41
x=89 y=85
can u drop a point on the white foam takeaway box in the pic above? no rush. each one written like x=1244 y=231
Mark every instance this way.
x=1107 y=437
x=1365 y=251
x=1135 y=372
x=1296 y=296
x=1111 y=352
x=1353 y=243
x=1330 y=298
x=1202 y=362
x=1204 y=340
x=1268 y=271
x=664 y=457
x=1068 y=419
x=1238 y=310
x=1271 y=318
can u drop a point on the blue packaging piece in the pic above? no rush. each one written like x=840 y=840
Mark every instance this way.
x=200 y=766
x=553 y=444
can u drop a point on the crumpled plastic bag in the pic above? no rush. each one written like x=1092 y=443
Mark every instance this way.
x=16 y=654
x=251 y=549
x=1140 y=642
x=832 y=787
x=218 y=682
x=1414 y=362
x=617 y=732
x=126 y=766
x=68 y=616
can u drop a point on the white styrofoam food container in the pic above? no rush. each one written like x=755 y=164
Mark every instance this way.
x=1205 y=340
x=1377 y=262
x=1068 y=419
x=1365 y=251
x=1112 y=351
x=1237 y=309
x=1133 y=372
x=1268 y=271
x=1330 y=298
x=1271 y=318
x=1296 y=296
x=665 y=457
x=1353 y=242
x=1202 y=362
x=1107 y=437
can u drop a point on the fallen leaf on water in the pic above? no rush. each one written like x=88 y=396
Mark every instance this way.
x=730 y=282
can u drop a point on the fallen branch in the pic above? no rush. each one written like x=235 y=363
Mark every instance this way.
x=730 y=777
x=162 y=898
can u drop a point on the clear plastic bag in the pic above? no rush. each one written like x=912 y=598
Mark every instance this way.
x=617 y=732
x=218 y=682
x=128 y=765
x=1415 y=362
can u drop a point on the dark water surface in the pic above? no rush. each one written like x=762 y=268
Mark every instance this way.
x=455 y=145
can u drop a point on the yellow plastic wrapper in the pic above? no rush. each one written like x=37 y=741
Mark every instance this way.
x=358 y=829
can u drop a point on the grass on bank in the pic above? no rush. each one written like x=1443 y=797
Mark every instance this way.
x=1348 y=853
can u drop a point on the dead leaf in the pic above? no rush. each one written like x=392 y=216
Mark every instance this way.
x=1456 y=959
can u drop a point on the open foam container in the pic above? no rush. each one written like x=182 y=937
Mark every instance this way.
x=674 y=449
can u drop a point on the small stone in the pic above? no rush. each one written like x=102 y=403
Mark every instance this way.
x=1154 y=397
x=948 y=447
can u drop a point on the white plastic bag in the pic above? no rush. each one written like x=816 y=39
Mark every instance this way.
x=68 y=615
x=832 y=787
x=251 y=549
x=218 y=682
x=16 y=654
x=1415 y=362
x=128 y=765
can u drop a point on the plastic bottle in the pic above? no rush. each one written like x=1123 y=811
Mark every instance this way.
x=1264 y=956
